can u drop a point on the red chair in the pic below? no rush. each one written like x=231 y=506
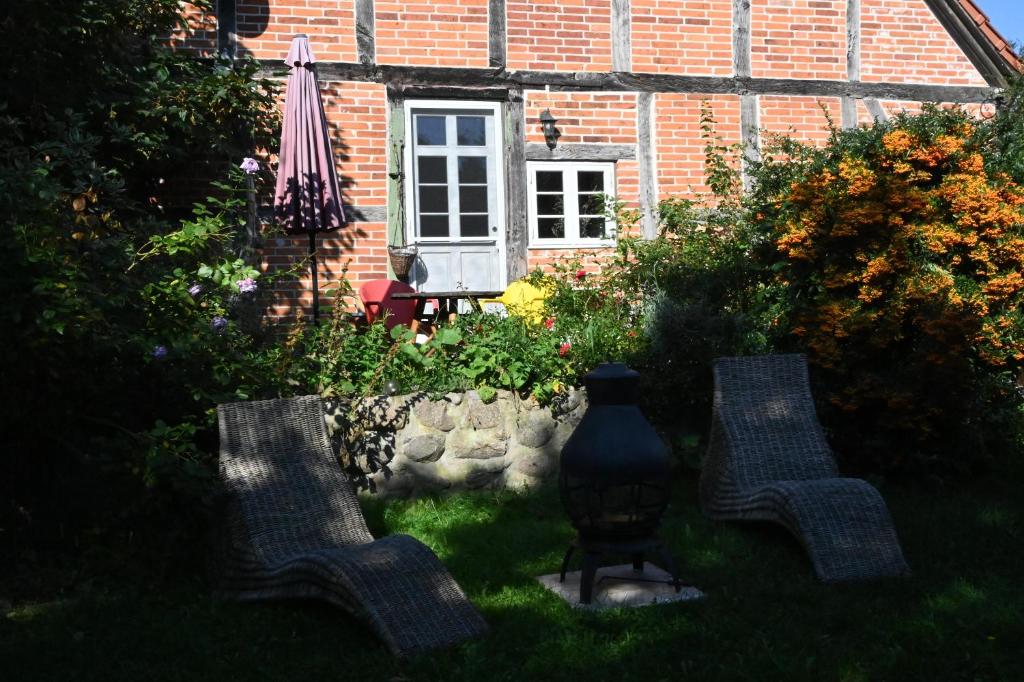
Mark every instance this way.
x=378 y=304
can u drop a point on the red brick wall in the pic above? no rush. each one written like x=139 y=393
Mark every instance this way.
x=798 y=39
x=679 y=149
x=589 y=117
x=562 y=35
x=684 y=36
x=265 y=29
x=903 y=42
x=894 y=107
x=432 y=33
x=601 y=118
x=802 y=118
x=197 y=33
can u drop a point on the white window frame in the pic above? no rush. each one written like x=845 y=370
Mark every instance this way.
x=495 y=169
x=569 y=169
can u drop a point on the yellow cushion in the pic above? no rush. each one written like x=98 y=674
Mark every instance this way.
x=525 y=300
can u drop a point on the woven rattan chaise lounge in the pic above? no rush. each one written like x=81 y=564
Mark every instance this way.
x=768 y=461
x=294 y=530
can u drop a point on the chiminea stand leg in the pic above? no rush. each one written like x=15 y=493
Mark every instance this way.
x=668 y=563
x=590 y=564
x=565 y=562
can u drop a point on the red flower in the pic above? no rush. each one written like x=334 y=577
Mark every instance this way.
x=549 y=323
x=563 y=350
x=581 y=275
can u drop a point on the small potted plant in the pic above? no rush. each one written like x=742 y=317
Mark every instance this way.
x=402 y=258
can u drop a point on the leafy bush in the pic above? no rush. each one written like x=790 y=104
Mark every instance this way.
x=593 y=316
x=670 y=305
x=111 y=364
x=1003 y=136
x=479 y=351
x=901 y=258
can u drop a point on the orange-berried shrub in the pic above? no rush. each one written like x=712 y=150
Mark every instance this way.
x=902 y=260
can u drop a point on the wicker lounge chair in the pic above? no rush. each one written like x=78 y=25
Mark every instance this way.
x=294 y=530
x=768 y=461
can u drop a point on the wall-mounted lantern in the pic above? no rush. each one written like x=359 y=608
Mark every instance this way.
x=547 y=123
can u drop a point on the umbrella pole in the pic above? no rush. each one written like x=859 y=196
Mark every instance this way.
x=312 y=270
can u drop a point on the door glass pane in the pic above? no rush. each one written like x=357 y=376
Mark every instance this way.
x=472 y=199
x=473 y=169
x=470 y=131
x=592 y=228
x=433 y=225
x=433 y=169
x=590 y=181
x=550 y=204
x=549 y=181
x=591 y=204
x=474 y=225
x=430 y=130
x=550 y=228
x=434 y=199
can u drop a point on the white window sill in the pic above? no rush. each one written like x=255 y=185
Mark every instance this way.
x=593 y=244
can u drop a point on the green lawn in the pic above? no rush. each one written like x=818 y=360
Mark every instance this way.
x=765 y=616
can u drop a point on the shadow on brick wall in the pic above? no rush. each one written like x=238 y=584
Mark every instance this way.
x=252 y=18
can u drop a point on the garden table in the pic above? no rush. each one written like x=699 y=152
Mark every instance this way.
x=448 y=301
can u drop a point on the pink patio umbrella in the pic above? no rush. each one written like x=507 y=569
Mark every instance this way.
x=307 y=198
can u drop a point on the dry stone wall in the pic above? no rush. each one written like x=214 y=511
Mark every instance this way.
x=403 y=446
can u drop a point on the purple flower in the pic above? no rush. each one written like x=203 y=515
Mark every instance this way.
x=247 y=285
x=159 y=352
x=219 y=324
x=250 y=166
x=195 y=290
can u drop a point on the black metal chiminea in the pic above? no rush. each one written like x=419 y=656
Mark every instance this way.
x=614 y=478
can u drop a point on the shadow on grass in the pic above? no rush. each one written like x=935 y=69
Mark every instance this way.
x=765 y=617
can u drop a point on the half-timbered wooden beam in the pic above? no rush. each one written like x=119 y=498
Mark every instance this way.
x=849 y=104
x=741 y=38
x=876 y=109
x=750 y=133
x=622 y=39
x=516 y=224
x=648 y=189
x=227 y=28
x=497 y=34
x=461 y=79
x=366 y=32
x=536 y=151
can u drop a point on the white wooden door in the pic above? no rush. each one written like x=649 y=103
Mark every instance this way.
x=455 y=195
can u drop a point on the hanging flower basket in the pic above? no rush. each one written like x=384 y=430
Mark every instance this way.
x=402 y=258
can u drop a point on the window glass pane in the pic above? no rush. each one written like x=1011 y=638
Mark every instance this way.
x=474 y=225
x=430 y=130
x=590 y=181
x=472 y=169
x=470 y=131
x=591 y=204
x=592 y=228
x=433 y=169
x=434 y=199
x=434 y=226
x=549 y=181
x=550 y=228
x=550 y=204
x=472 y=199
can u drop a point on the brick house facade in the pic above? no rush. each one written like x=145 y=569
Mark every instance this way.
x=435 y=105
